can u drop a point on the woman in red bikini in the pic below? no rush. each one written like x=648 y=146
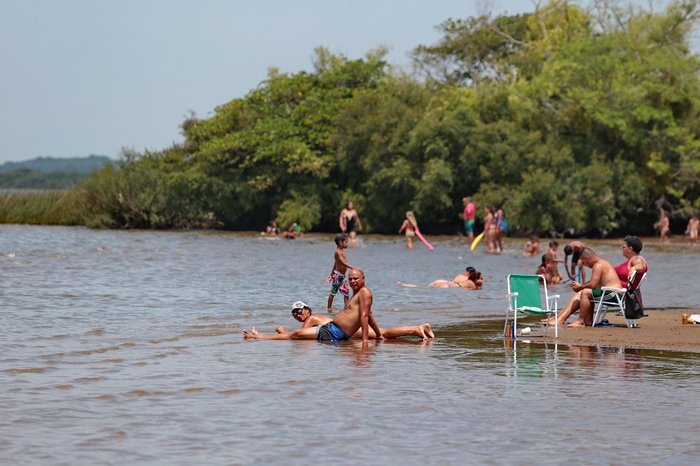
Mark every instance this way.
x=631 y=249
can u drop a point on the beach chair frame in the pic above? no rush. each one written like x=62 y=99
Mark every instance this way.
x=526 y=295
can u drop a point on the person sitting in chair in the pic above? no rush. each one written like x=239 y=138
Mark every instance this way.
x=602 y=275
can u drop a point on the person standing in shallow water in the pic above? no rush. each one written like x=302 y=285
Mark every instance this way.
x=410 y=226
x=338 y=271
x=469 y=217
x=350 y=223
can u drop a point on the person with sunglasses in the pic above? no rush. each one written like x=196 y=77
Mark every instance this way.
x=303 y=313
x=357 y=316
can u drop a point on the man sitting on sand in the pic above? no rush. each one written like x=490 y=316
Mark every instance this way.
x=304 y=314
x=357 y=315
x=602 y=274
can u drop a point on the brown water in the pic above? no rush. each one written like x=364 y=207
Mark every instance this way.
x=126 y=348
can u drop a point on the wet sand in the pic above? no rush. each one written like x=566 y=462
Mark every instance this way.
x=661 y=329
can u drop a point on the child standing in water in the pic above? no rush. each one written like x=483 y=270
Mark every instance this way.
x=410 y=225
x=340 y=267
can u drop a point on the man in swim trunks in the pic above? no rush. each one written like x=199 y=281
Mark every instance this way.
x=602 y=274
x=469 y=215
x=357 y=315
x=337 y=275
x=304 y=314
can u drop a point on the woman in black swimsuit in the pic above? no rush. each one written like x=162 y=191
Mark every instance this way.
x=350 y=223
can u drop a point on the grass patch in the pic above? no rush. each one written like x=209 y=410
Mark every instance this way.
x=42 y=207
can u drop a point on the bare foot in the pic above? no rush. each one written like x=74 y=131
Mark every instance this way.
x=577 y=324
x=427 y=330
x=252 y=334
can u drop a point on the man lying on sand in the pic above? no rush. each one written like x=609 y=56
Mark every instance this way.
x=304 y=314
x=357 y=316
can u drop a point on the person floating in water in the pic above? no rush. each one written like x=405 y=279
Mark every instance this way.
x=472 y=279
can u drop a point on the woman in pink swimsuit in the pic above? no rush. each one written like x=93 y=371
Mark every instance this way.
x=631 y=249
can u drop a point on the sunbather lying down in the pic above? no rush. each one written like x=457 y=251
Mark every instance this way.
x=470 y=280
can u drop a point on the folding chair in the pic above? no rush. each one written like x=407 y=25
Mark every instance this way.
x=526 y=294
x=615 y=297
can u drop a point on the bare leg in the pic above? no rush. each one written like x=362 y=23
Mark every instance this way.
x=409 y=285
x=585 y=317
x=571 y=307
x=308 y=333
x=329 y=305
x=421 y=331
x=439 y=284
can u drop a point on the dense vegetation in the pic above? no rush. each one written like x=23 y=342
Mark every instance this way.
x=570 y=118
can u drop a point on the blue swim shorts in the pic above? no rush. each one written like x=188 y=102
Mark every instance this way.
x=331 y=332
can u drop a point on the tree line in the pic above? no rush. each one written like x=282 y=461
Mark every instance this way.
x=571 y=118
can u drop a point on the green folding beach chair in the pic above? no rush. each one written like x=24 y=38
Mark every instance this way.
x=527 y=295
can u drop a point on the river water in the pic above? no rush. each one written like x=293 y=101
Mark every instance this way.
x=125 y=348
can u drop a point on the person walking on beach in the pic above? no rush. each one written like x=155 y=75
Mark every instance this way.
x=337 y=275
x=303 y=313
x=350 y=223
x=469 y=216
x=357 y=315
x=410 y=226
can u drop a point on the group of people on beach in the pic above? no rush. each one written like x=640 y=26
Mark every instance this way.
x=355 y=320
x=627 y=274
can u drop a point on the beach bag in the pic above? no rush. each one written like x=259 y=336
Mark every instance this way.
x=634 y=309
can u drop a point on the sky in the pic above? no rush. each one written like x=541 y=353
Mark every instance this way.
x=81 y=77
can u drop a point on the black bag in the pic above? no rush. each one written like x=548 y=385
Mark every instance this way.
x=634 y=309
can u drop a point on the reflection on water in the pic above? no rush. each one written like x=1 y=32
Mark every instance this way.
x=125 y=347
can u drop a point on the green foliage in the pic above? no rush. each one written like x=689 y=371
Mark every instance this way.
x=568 y=118
x=42 y=207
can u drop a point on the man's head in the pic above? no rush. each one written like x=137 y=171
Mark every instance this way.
x=356 y=278
x=466 y=199
x=568 y=250
x=340 y=237
x=634 y=243
x=299 y=309
x=588 y=257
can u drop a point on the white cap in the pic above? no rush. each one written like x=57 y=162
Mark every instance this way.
x=299 y=305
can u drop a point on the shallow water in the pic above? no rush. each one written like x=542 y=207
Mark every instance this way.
x=125 y=348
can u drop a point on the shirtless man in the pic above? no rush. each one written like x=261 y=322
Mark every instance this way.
x=303 y=313
x=357 y=315
x=340 y=267
x=574 y=249
x=602 y=274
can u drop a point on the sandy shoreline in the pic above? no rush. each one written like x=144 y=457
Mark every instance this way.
x=661 y=329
